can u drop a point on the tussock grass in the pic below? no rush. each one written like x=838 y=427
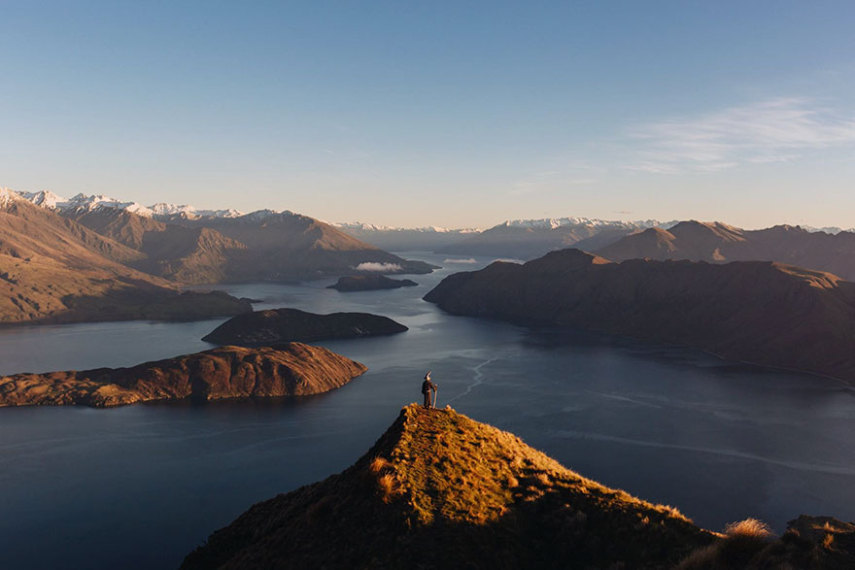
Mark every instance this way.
x=439 y=490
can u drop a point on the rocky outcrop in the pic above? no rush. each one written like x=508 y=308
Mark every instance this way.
x=761 y=312
x=370 y=283
x=439 y=490
x=274 y=326
x=227 y=372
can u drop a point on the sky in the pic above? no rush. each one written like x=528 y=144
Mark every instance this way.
x=456 y=114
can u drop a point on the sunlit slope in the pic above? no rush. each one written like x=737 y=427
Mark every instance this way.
x=53 y=269
x=439 y=490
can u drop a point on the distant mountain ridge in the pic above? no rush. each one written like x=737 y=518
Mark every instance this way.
x=193 y=246
x=53 y=269
x=717 y=242
x=527 y=239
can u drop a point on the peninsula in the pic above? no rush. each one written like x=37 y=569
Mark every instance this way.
x=227 y=372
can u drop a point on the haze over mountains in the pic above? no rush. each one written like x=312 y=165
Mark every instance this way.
x=84 y=250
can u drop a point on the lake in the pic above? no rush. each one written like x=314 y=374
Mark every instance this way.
x=138 y=487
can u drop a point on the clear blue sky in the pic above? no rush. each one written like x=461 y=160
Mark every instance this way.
x=445 y=113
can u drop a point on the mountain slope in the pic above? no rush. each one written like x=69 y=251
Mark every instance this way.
x=287 y=246
x=760 y=312
x=206 y=246
x=439 y=490
x=53 y=269
x=178 y=253
x=717 y=242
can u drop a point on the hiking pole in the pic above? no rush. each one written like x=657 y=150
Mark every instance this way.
x=435 y=392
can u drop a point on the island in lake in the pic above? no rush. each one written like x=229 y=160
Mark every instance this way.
x=227 y=372
x=274 y=326
x=370 y=283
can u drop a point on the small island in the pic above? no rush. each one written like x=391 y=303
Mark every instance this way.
x=228 y=372
x=275 y=326
x=370 y=283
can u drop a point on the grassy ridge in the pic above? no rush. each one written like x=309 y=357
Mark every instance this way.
x=441 y=490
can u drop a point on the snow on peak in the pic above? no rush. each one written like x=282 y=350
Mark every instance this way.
x=96 y=201
x=365 y=227
x=259 y=215
x=190 y=212
x=8 y=196
x=45 y=199
x=555 y=223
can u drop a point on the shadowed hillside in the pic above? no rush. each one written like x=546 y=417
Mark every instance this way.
x=182 y=254
x=287 y=246
x=761 y=312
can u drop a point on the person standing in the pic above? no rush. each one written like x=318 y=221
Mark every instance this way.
x=429 y=390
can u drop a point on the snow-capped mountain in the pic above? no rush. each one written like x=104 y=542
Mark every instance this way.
x=45 y=198
x=96 y=201
x=84 y=202
x=555 y=223
x=364 y=227
x=8 y=196
x=162 y=209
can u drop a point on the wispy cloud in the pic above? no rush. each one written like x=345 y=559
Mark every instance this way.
x=772 y=131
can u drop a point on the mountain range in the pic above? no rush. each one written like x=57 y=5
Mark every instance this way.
x=761 y=312
x=53 y=269
x=718 y=242
x=527 y=239
x=93 y=257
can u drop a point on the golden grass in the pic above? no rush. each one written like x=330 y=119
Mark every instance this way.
x=748 y=527
x=466 y=471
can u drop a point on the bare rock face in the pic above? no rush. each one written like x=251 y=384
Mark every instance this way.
x=227 y=372
x=265 y=328
x=370 y=283
x=761 y=312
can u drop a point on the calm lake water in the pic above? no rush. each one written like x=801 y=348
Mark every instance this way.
x=140 y=486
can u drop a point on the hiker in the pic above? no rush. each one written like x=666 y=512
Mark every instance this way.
x=427 y=386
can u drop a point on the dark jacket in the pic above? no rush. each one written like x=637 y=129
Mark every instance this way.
x=427 y=386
